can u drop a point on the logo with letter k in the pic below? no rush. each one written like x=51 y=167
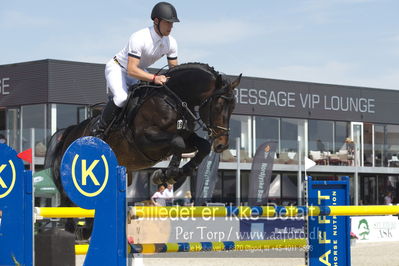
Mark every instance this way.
x=7 y=183
x=90 y=184
x=2 y=183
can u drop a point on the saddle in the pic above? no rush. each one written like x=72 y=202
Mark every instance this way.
x=137 y=94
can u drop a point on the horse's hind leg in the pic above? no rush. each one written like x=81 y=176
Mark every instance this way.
x=70 y=225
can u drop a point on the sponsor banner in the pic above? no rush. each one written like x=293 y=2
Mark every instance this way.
x=188 y=229
x=214 y=229
x=329 y=235
x=375 y=228
x=261 y=172
x=206 y=178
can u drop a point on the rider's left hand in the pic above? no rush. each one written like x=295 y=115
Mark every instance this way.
x=161 y=79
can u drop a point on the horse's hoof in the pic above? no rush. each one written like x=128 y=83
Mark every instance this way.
x=158 y=177
x=171 y=181
x=172 y=172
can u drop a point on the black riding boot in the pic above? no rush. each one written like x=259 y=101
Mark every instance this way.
x=108 y=114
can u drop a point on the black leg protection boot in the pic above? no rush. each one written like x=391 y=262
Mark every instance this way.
x=110 y=112
x=172 y=171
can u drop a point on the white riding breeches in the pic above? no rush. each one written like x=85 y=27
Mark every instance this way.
x=118 y=81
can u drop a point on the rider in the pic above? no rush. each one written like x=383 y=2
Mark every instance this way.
x=143 y=49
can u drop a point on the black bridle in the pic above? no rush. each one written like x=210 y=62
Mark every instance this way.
x=209 y=124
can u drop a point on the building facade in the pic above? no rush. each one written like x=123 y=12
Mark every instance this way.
x=346 y=130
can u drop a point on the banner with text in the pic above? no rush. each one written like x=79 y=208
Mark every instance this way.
x=375 y=228
x=261 y=173
x=206 y=178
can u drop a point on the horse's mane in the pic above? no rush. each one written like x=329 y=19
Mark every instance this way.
x=194 y=65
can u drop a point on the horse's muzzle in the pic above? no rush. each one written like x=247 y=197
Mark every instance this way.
x=220 y=148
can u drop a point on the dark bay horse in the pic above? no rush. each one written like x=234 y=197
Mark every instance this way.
x=163 y=124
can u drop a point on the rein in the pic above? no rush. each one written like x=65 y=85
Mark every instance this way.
x=185 y=107
x=212 y=134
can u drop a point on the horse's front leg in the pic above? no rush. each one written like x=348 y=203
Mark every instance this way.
x=172 y=172
x=203 y=148
x=173 y=168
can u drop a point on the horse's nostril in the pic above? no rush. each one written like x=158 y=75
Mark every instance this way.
x=220 y=147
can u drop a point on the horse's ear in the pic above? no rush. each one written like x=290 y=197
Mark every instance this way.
x=236 y=82
x=219 y=81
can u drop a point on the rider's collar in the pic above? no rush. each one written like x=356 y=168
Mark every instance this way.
x=154 y=35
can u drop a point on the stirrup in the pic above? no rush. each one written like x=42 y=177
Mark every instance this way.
x=99 y=135
x=97 y=131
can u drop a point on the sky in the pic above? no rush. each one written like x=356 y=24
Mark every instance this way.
x=346 y=42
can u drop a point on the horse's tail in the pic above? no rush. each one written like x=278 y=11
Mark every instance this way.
x=52 y=146
x=54 y=154
x=55 y=151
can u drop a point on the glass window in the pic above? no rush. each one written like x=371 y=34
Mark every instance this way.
x=368 y=144
x=289 y=135
x=266 y=129
x=320 y=140
x=386 y=145
x=368 y=190
x=291 y=130
x=320 y=135
x=389 y=190
x=34 y=116
x=385 y=186
x=82 y=113
x=69 y=114
x=392 y=145
x=13 y=132
x=379 y=144
x=342 y=131
x=240 y=126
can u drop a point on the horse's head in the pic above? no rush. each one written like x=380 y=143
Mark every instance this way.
x=216 y=110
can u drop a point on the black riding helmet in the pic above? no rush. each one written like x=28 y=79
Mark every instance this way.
x=165 y=11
